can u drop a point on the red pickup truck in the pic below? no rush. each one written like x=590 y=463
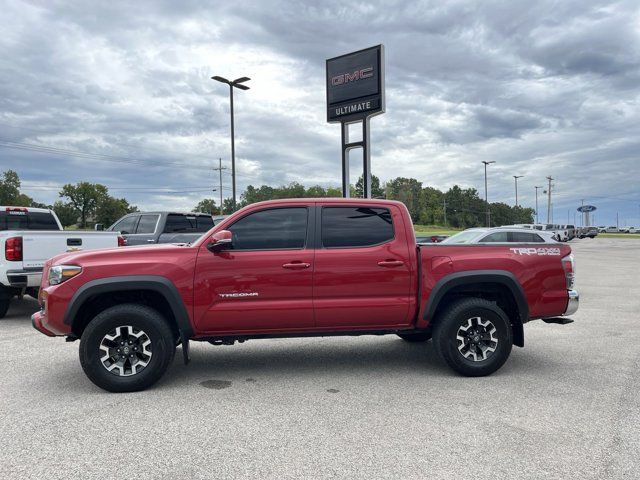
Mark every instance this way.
x=294 y=268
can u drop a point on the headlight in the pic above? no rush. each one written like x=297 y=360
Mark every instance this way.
x=60 y=273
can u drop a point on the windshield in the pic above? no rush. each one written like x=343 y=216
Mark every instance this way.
x=463 y=237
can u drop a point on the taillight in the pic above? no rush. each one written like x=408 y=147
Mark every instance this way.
x=13 y=249
x=122 y=242
x=569 y=266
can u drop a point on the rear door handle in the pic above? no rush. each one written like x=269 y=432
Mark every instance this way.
x=390 y=263
x=296 y=265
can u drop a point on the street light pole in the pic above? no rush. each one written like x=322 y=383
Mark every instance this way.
x=516 y=177
x=237 y=83
x=537 y=203
x=486 y=195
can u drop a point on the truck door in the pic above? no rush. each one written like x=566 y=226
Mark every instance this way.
x=264 y=281
x=362 y=273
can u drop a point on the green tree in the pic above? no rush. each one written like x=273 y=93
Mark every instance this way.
x=406 y=190
x=376 y=190
x=9 y=188
x=206 y=205
x=110 y=209
x=84 y=196
x=66 y=212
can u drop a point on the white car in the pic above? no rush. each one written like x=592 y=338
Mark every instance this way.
x=634 y=230
x=500 y=235
x=28 y=238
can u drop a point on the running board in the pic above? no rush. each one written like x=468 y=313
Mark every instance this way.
x=558 y=320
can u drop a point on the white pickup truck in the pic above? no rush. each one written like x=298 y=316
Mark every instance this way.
x=30 y=236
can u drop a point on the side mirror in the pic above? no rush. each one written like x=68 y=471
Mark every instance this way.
x=220 y=240
x=99 y=227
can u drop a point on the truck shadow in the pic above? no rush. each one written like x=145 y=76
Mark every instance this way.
x=375 y=357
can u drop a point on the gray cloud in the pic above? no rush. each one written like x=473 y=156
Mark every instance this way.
x=544 y=88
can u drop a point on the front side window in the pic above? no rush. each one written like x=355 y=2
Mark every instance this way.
x=275 y=229
x=147 y=224
x=126 y=226
x=355 y=226
x=497 y=237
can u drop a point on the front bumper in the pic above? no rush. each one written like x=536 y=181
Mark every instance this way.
x=572 y=304
x=36 y=322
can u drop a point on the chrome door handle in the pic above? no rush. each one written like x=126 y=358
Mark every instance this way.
x=390 y=263
x=151 y=240
x=296 y=265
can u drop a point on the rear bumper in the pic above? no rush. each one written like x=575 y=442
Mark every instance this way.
x=24 y=278
x=36 y=322
x=573 y=302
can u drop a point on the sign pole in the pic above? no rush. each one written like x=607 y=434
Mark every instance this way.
x=345 y=160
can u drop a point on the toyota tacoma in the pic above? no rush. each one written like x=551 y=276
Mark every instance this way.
x=300 y=268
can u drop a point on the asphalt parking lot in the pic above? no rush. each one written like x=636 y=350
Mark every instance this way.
x=565 y=406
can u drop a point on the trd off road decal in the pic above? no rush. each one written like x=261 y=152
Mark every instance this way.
x=536 y=251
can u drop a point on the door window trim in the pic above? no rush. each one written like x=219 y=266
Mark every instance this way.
x=321 y=246
x=308 y=241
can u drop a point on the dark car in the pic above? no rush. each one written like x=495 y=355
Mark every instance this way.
x=142 y=228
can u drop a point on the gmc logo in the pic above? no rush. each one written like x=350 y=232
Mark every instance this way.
x=352 y=77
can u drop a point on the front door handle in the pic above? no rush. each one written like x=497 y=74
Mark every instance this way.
x=390 y=263
x=296 y=265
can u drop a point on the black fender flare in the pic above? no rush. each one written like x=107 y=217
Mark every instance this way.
x=501 y=277
x=156 y=283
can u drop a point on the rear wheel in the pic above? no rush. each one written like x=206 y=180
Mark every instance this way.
x=473 y=336
x=415 y=337
x=126 y=348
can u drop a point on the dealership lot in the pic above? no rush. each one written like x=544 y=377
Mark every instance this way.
x=565 y=406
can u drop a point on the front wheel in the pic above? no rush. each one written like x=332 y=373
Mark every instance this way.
x=473 y=336
x=126 y=348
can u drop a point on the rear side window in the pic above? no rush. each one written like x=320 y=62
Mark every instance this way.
x=279 y=228
x=525 y=237
x=21 y=220
x=496 y=237
x=188 y=223
x=126 y=226
x=355 y=226
x=147 y=224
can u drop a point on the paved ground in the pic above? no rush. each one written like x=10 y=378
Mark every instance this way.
x=565 y=406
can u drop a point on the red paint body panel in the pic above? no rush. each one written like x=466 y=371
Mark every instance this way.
x=341 y=290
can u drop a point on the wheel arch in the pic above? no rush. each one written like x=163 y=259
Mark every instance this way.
x=157 y=292
x=500 y=286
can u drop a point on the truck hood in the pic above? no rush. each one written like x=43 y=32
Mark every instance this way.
x=108 y=255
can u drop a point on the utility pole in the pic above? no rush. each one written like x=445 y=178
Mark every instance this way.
x=549 y=199
x=486 y=196
x=617 y=221
x=516 y=177
x=219 y=169
x=444 y=201
x=537 y=203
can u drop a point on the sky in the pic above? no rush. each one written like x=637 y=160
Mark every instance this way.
x=120 y=93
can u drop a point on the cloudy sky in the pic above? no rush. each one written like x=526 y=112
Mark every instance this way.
x=120 y=93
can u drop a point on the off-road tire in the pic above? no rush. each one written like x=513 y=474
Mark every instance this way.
x=415 y=337
x=447 y=328
x=135 y=316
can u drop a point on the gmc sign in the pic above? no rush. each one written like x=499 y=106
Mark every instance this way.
x=355 y=85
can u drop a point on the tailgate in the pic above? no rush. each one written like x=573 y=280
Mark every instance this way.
x=38 y=247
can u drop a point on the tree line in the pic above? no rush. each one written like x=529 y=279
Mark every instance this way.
x=85 y=203
x=457 y=207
